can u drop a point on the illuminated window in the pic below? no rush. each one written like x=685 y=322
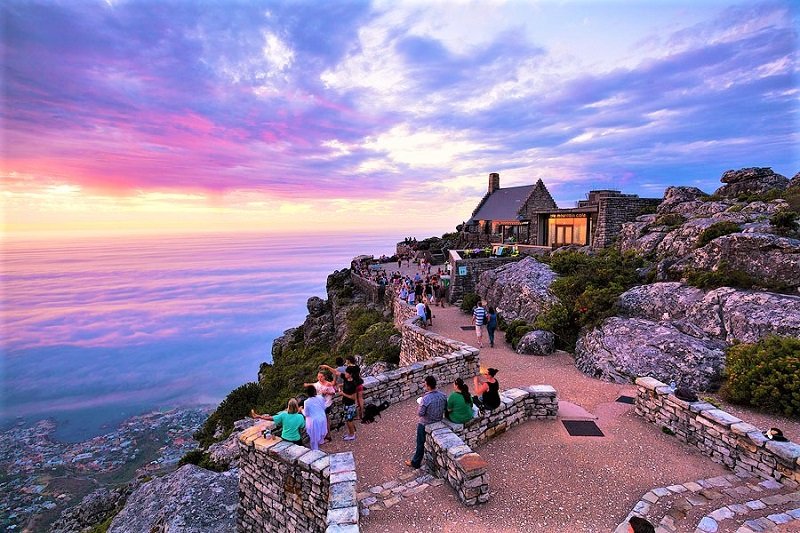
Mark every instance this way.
x=567 y=229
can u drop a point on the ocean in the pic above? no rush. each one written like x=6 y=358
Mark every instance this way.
x=96 y=330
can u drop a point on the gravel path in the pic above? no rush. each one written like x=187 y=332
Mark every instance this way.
x=542 y=479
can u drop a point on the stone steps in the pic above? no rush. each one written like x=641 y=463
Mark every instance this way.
x=390 y=493
x=735 y=503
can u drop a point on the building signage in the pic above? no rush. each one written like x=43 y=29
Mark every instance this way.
x=462 y=270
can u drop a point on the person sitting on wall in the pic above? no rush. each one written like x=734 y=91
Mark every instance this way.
x=432 y=407
x=487 y=391
x=421 y=314
x=459 y=403
x=290 y=420
x=637 y=524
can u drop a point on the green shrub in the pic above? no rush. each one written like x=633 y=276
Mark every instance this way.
x=587 y=288
x=723 y=277
x=374 y=344
x=235 y=406
x=469 y=301
x=202 y=459
x=736 y=208
x=717 y=230
x=765 y=375
x=647 y=210
x=558 y=320
x=672 y=220
x=515 y=330
x=501 y=322
x=784 y=221
x=359 y=319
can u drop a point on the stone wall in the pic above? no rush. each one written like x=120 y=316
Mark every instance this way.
x=374 y=292
x=285 y=487
x=449 y=447
x=613 y=211
x=718 y=434
x=462 y=284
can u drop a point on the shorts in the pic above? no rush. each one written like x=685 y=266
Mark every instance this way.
x=479 y=330
x=350 y=412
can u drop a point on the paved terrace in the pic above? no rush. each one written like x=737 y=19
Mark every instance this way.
x=541 y=478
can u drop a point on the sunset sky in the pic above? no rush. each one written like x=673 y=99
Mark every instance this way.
x=164 y=115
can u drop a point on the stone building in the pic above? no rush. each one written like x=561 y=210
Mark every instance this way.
x=529 y=215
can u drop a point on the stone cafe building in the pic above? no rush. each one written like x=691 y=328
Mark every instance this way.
x=528 y=215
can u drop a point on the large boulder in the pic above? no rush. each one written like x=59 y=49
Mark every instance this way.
x=191 y=499
x=537 y=342
x=622 y=349
x=678 y=195
x=727 y=314
x=519 y=290
x=769 y=259
x=795 y=181
x=752 y=180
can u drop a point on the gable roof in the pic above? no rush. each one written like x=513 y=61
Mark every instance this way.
x=502 y=204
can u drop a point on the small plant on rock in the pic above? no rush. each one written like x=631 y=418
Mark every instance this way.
x=717 y=230
x=672 y=220
x=785 y=222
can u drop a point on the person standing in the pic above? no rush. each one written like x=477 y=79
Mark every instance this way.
x=316 y=419
x=349 y=397
x=421 y=314
x=478 y=319
x=491 y=324
x=326 y=388
x=432 y=407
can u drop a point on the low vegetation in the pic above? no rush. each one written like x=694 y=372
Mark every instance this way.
x=515 y=330
x=671 y=220
x=785 y=222
x=765 y=375
x=588 y=287
x=469 y=301
x=717 y=230
x=203 y=460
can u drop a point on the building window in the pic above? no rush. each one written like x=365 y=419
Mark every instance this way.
x=567 y=229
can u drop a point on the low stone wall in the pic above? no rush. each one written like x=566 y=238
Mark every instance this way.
x=374 y=292
x=718 y=434
x=460 y=284
x=449 y=447
x=285 y=487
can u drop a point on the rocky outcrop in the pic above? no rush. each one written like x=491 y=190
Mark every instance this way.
x=325 y=325
x=795 y=181
x=622 y=349
x=674 y=196
x=768 y=259
x=537 y=342
x=94 y=508
x=752 y=180
x=190 y=499
x=519 y=290
x=226 y=452
x=726 y=314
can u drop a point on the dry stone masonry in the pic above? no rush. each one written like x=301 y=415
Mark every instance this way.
x=449 y=447
x=718 y=434
x=285 y=487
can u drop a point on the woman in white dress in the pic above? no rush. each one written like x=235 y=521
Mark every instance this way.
x=316 y=422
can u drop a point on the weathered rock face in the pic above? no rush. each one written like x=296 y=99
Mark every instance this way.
x=768 y=258
x=93 y=509
x=537 y=342
x=752 y=180
x=726 y=314
x=674 y=196
x=519 y=290
x=795 y=181
x=190 y=499
x=622 y=349
x=226 y=452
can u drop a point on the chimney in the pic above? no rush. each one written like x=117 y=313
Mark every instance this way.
x=494 y=182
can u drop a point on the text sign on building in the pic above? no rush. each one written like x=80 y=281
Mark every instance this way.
x=462 y=271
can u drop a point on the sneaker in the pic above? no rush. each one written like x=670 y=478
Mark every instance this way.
x=349 y=437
